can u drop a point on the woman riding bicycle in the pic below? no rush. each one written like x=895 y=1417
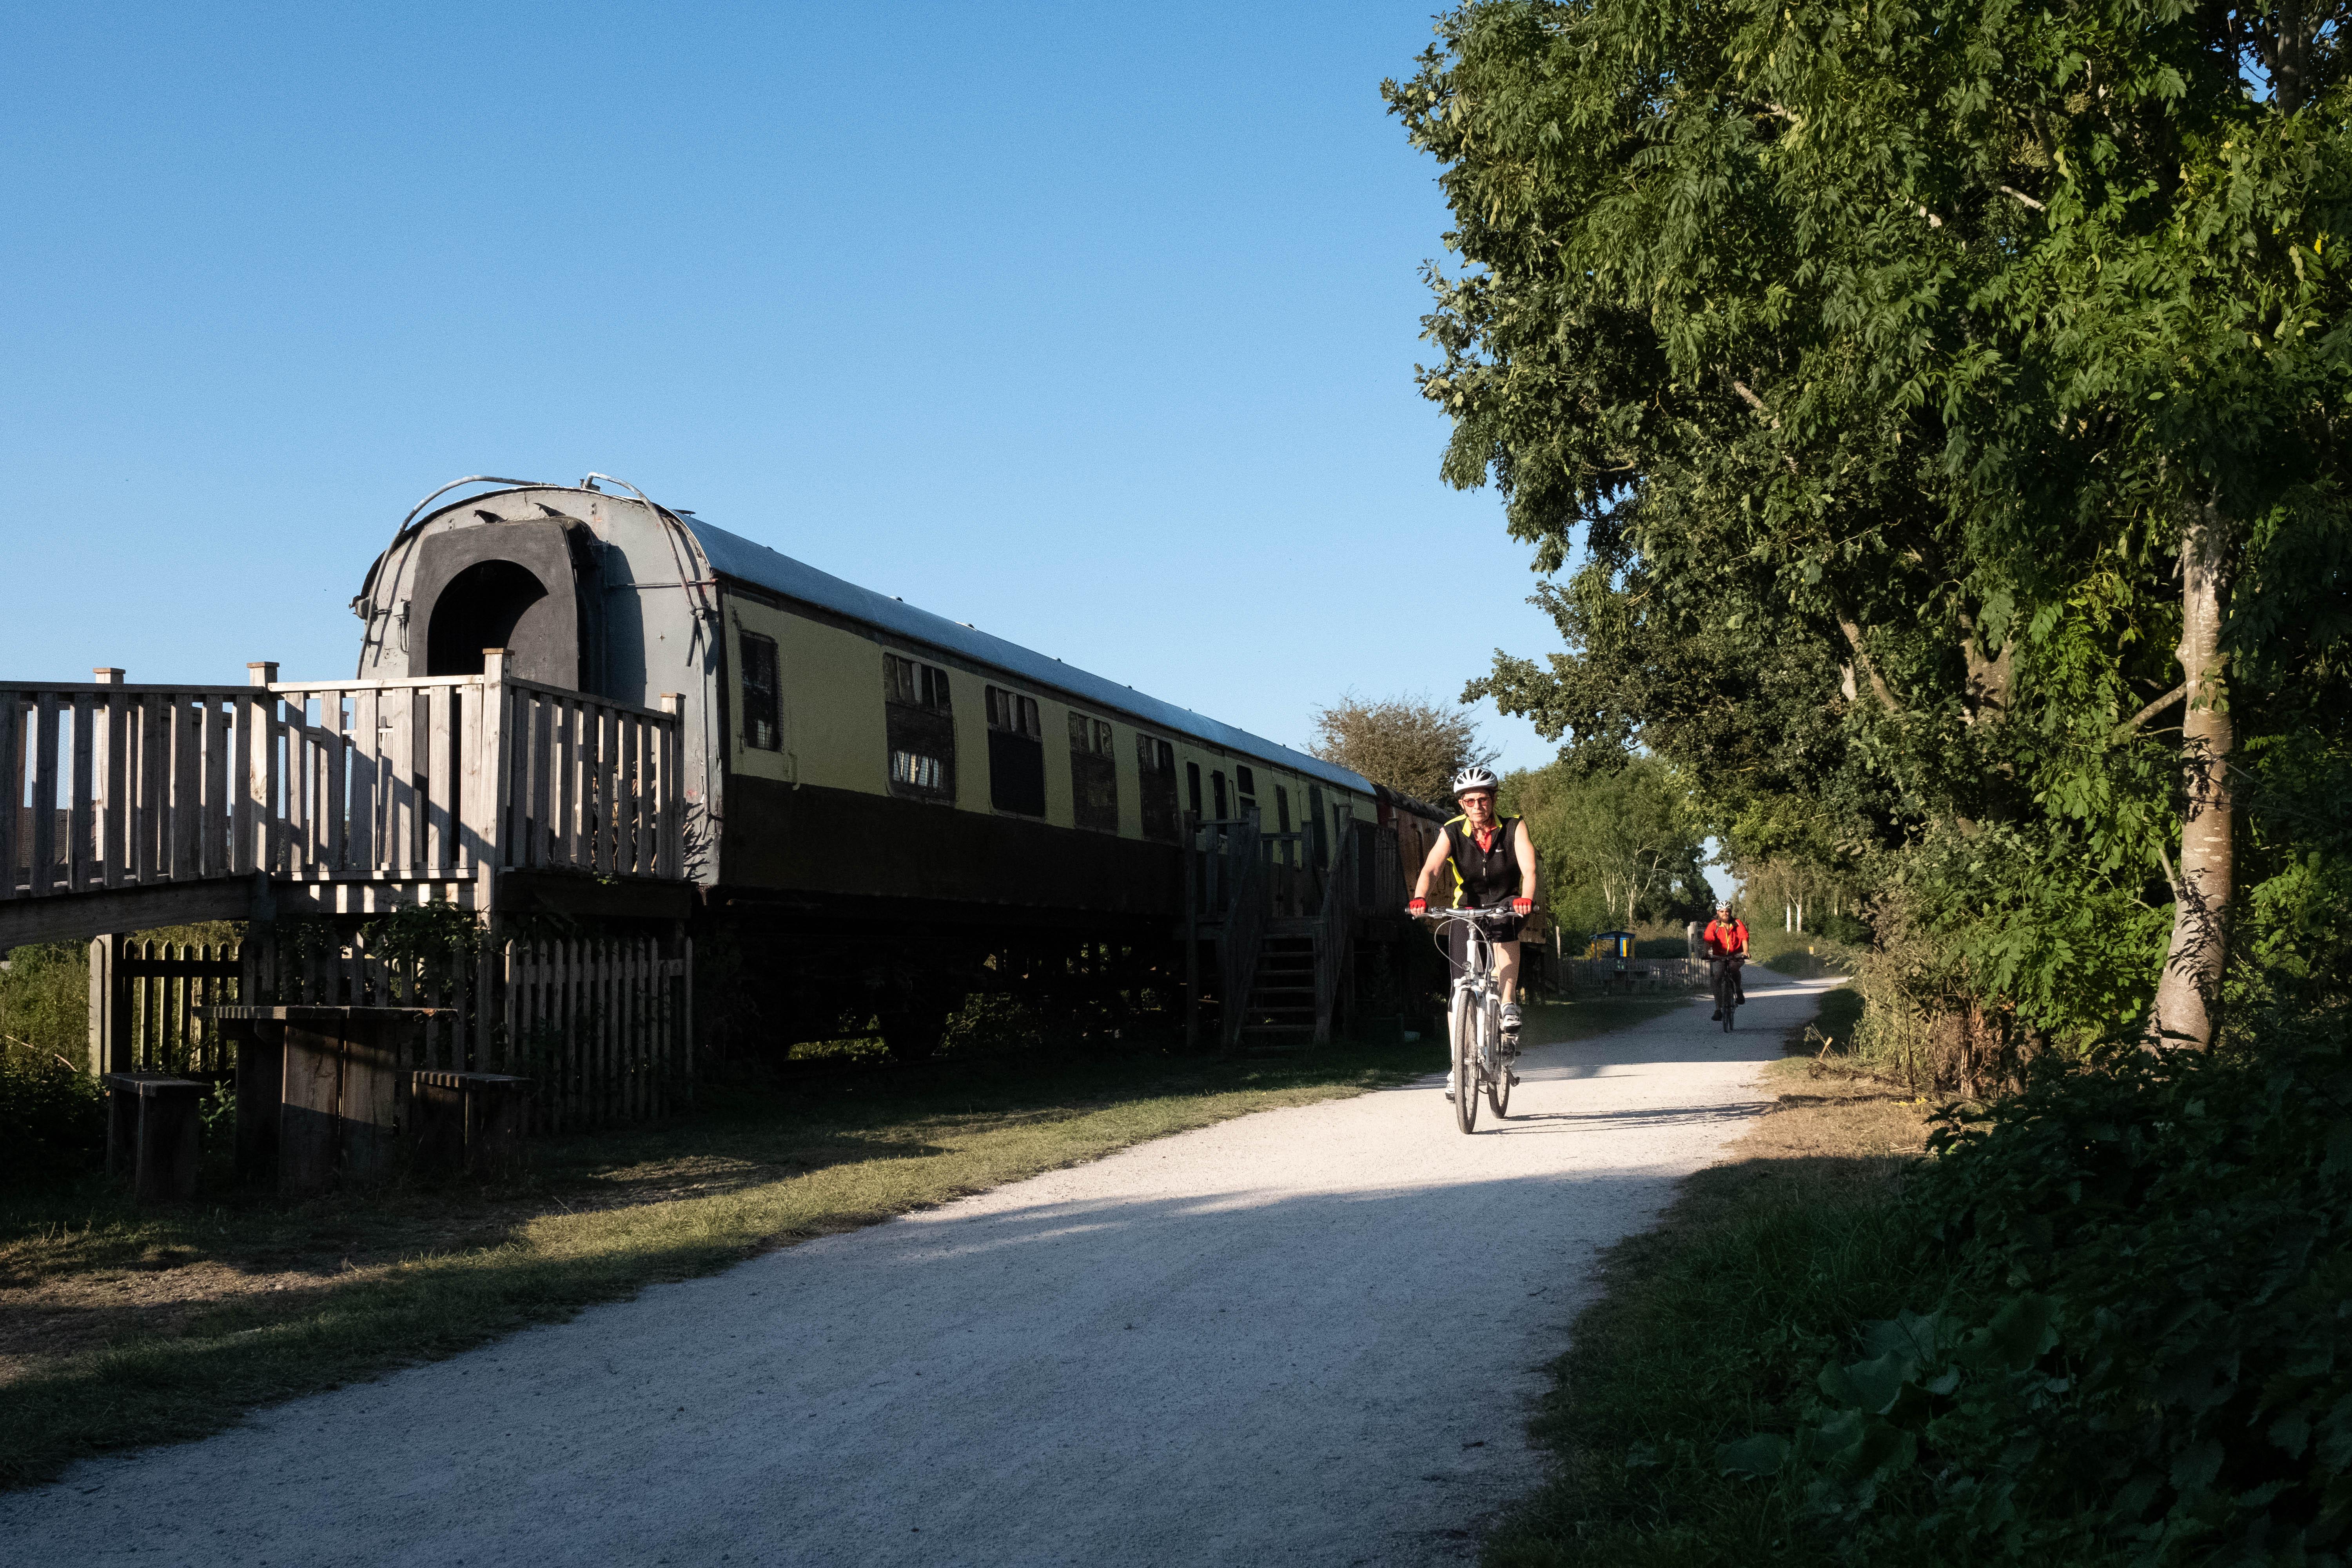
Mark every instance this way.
x=1493 y=864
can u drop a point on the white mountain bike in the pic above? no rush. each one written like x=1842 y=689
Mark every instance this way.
x=1474 y=1018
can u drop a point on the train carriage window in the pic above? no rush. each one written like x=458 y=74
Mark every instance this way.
x=1094 y=774
x=920 y=730
x=763 y=713
x=1245 y=792
x=915 y=685
x=1320 y=848
x=1193 y=787
x=1016 y=753
x=1155 y=764
x=1217 y=793
x=919 y=772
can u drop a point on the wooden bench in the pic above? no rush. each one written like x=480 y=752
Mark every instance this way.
x=469 y=1121
x=152 y=1134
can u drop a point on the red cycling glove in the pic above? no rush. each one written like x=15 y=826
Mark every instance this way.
x=1523 y=906
x=1419 y=905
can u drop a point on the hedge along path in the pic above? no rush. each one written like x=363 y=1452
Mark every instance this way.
x=167 y=1376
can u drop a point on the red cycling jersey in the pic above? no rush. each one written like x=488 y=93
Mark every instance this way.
x=1722 y=939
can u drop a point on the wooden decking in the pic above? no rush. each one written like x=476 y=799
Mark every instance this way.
x=140 y=805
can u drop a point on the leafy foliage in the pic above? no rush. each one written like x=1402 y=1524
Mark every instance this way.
x=1410 y=744
x=1623 y=839
x=2162 y=1373
x=52 y=1121
x=1857 y=377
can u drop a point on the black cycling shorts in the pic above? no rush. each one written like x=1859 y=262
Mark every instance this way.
x=1457 y=939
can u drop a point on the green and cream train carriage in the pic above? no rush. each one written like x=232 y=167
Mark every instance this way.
x=851 y=761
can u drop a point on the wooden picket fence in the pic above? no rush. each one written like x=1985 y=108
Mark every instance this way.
x=166 y=982
x=603 y=1026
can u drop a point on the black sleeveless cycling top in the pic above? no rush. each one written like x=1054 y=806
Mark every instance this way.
x=1484 y=879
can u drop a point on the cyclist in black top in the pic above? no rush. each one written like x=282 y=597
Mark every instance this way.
x=1493 y=864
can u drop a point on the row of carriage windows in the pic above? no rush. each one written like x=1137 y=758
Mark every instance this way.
x=921 y=737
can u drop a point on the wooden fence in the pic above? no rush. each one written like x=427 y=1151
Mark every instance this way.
x=603 y=1026
x=116 y=786
x=1596 y=974
x=164 y=984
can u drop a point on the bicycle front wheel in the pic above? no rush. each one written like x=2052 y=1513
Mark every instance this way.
x=1498 y=1064
x=1464 y=1024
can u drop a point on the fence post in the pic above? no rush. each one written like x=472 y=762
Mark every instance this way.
x=109 y=1007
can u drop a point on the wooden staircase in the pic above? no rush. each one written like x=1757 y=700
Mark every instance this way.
x=1281 y=1005
x=1287 y=967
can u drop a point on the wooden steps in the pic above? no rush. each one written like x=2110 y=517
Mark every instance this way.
x=1280 y=1007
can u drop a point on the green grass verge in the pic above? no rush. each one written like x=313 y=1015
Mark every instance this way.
x=357 y=1284
x=1714 y=1326
x=1710 y=1328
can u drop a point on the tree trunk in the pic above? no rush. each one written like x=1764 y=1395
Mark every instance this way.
x=2189 y=996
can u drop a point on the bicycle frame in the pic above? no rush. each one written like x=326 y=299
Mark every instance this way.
x=1483 y=1062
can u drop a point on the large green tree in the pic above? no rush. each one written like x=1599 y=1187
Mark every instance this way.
x=1934 y=411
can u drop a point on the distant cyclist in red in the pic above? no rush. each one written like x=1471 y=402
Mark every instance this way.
x=1726 y=934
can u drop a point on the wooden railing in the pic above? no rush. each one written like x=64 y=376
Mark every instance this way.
x=1243 y=930
x=115 y=786
x=1336 y=939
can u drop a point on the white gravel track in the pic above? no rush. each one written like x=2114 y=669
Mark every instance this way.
x=1307 y=1336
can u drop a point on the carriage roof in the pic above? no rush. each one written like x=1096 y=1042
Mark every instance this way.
x=733 y=555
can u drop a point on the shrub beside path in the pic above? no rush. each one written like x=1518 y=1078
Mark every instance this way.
x=1313 y=1333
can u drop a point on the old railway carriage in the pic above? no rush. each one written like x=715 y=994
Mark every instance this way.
x=883 y=795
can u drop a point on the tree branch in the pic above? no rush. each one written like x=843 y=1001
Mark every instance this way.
x=2130 y=727
x=1877 y=681
x=2021 y=196
x=1754 y=402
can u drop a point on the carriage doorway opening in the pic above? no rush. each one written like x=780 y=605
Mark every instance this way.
x=480 y=608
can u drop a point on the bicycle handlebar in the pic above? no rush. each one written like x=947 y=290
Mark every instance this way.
x=1479 y=915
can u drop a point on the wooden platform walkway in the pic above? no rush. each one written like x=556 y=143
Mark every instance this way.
x=142 y=806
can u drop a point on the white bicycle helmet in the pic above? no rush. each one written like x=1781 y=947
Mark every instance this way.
x=1472 y=778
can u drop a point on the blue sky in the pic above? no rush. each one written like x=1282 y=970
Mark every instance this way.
x=1092 y=326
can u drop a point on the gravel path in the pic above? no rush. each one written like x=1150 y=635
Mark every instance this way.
x=1310 y=1335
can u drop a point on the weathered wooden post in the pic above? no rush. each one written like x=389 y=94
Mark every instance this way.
x=252 y=787
x=1191 y=931
x=152 y=1133
x=109 y=1007
x=672 y=794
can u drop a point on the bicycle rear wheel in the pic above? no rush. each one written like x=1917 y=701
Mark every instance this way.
x=1463 y=1026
